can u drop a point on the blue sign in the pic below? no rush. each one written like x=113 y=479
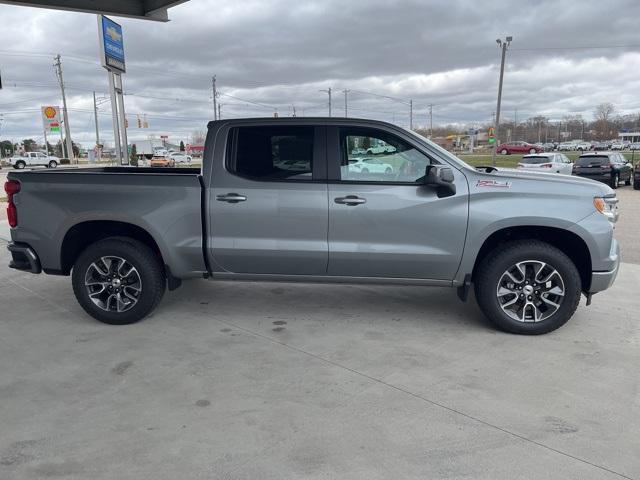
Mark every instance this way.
x=112 y=45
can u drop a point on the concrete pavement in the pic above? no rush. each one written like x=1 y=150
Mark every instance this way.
x=287 y=381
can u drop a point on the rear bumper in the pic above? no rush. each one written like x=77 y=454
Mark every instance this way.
x=24 y=258
x=603 y=280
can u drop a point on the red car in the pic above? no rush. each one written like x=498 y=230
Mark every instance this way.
x=518 y=147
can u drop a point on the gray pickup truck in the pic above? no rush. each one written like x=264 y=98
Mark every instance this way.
x=289 y=200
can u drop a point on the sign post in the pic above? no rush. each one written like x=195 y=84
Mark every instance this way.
x=112 y=59
x=50 y=123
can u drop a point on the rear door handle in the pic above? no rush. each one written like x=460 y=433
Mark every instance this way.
x=231 y=198
x=350 y=200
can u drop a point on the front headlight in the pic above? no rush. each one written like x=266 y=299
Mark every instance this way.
x=608 y=206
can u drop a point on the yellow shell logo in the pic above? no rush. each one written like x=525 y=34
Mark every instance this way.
x=50 y=112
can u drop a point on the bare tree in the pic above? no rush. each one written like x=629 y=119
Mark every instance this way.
x=198 y=136
x=603 y=114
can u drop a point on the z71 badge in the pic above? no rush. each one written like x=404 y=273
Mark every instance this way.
x=493 y=183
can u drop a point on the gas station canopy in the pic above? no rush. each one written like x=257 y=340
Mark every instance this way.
x=142 y=9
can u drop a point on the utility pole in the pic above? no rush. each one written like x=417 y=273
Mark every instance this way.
x=430 y=120
x=95 y=116
x=65 y=116
x=215 y=97
x=328 y=91
x=515 y=124
x=346 y=108
x=410 y=114
x=504 y=45
x=219 y=111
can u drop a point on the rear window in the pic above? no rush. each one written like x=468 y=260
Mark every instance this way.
x=271 y=153
x=535 y=160
x=592 y=160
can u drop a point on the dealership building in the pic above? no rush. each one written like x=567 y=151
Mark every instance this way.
x=633 y=137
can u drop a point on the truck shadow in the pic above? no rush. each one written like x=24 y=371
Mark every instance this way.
x=431 y=306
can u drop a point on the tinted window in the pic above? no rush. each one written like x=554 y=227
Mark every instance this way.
x=271 y=153
x=592 y=160
x=535 y=160
x=369 y=155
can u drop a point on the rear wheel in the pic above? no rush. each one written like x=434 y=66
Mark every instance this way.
x=628 y=181
x=52 y=164
x=20 y=164
x=118 y=280
x=532 y=151
x=527 y=287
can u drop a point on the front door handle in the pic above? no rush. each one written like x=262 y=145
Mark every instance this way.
x=231 y=198
x=350 y=200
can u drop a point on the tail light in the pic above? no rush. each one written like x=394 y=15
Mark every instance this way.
x=11 y=187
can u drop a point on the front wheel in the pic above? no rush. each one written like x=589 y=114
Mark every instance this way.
x=528 y=287
x=118 y=280
x=20 y=165
x=628 y=181
x=532 y=151
x=504 y=151
x=615 y=180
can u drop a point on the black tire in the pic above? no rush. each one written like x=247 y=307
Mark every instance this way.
x=615 y=180
x=20 y=165
x=504 y=151
x=52 y=164
x=148 y=266
x=627 y=182
x=492 y=268
x=636 y=185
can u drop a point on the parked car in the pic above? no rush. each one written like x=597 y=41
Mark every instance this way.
x=160 y=153
x=610 y=168
x=33 y=159
x=529 y=244
x=583 y=146
x=634 y=146
x=358 y=151
x=380 y=148
x=180 y=157
x=617 y=146
x=546 y=163
x=636 y=177
x=548 y=147
x=368 y=165
x=567 y=146
x=517 y=147
x=162 y=162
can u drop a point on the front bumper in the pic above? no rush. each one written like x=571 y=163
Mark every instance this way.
x=603 y=280
x=24 y=258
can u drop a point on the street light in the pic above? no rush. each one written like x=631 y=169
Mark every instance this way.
x=503 y=45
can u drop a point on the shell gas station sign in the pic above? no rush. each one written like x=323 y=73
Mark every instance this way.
x=51 y=119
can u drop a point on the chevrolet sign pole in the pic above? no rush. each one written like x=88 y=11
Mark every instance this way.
x=112 y=59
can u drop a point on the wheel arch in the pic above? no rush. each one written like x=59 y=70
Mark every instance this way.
x=566 y=241
x=83 y=234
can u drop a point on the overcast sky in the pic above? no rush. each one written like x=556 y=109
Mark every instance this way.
x=281 y=53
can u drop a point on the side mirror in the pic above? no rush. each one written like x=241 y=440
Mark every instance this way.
x=441 y=177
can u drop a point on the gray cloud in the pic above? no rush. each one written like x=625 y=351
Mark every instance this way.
x=280 y=53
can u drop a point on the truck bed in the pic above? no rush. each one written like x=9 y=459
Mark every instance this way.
x=56 y=206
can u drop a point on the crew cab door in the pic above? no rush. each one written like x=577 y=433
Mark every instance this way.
x=387 y=223
x=268 y=203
